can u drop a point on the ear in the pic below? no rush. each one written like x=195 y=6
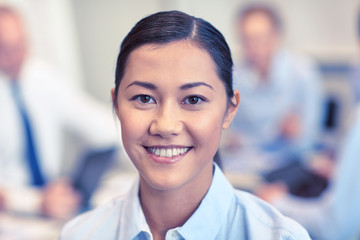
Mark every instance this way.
x=115 y=103
x=232 y=110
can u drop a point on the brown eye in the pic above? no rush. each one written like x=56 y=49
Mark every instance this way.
x=144 y=98
x=192 y=100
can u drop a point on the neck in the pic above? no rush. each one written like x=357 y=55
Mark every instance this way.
x=264 y=75
x=167 y=209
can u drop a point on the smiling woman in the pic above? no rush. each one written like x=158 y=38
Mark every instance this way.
x=173 y=96
x=180 y=103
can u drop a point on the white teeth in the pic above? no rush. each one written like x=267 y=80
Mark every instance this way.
x=162 y=152
x=168 y=152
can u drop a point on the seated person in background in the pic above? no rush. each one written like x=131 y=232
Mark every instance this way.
x=35 y=108
x=336 y=213
x=280 y=113
x=173 y=96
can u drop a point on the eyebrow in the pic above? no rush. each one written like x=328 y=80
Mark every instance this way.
x=143 y=84
x=186 y=86
x=195 y=84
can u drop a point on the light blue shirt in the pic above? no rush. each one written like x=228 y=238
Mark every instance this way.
x=223 y=214
x=336 y=214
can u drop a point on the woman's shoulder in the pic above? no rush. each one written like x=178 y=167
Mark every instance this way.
x=99 y=222
x=262 y=218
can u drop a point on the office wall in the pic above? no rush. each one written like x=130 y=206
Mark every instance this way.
x=324 y=29
x=101 y=25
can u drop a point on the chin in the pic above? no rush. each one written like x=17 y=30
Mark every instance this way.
x=164 y=182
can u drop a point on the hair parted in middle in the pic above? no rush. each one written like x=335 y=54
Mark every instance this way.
x=166 y=27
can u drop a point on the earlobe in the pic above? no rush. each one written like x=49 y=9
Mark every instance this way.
x=232 y=110
x=113 y=95
x=114 y=103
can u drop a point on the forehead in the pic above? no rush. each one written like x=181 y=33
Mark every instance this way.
x=10 y=27
x=257 y=21
x=185 y=52
x=177 y=60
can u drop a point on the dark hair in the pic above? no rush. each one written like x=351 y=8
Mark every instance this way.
x=268 y=10
x=171 y=26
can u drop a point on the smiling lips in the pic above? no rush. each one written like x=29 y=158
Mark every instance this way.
x=167 y=154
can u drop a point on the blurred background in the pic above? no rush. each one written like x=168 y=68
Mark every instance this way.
x=81 y=38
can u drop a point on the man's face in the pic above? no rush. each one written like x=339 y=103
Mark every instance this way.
x=259 y=39
x=12 y=45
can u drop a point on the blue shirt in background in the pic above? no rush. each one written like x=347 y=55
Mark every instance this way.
x=293 y=86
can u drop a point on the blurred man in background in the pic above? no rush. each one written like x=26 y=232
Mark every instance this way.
x=281 y=98
x=35 y=108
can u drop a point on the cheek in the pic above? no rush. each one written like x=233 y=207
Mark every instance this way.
x=133 y=126
x=206 y=129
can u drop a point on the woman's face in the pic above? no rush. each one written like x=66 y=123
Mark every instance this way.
x=172 y=107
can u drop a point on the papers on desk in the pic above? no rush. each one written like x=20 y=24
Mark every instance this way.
x=247 y=182
x=115 y=184
x=24 y=227
x=25 y=200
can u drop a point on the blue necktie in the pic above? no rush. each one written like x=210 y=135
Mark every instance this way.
x=30 y=148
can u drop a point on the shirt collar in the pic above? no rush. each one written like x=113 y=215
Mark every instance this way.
x=212 y=211
x=133 y=218
x=208 y=217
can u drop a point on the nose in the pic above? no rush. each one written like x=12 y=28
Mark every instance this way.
x=166 y=122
